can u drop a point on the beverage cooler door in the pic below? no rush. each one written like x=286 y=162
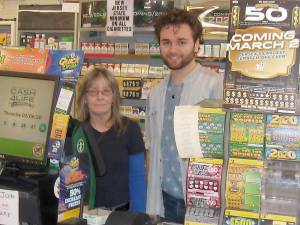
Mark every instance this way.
x=7 y=33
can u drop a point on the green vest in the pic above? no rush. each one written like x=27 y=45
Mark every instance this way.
x=80 y=148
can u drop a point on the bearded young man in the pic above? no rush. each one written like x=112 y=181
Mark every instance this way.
x=179 y=34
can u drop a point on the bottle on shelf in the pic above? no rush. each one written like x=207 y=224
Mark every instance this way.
x=37 y=41
x=42 y=42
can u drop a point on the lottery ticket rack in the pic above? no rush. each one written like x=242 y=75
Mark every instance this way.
x=250 y=175
x=250 y=170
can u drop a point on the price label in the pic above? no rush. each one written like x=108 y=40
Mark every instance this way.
x=241 y=221
x=131 y=83
x=131 y=94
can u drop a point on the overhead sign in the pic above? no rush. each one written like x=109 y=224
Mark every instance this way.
x=119 y=20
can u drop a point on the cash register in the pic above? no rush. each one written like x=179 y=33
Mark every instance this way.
x=26 y=111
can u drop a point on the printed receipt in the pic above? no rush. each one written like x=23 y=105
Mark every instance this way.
x=186 y=131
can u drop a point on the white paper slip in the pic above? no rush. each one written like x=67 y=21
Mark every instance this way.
x=186 y=131
x=64 y=99
x=9 y=207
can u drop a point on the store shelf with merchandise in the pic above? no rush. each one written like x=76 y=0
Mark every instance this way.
x=135 y=61
x=47 y=26
x=212 y=53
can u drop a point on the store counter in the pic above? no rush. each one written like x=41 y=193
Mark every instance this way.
x=37 y=202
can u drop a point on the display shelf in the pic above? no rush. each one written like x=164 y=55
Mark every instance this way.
x=135 y=117
x=135 y=75
x=50 y=20
x=46 y=31
x=210 y=59
x=90 y=55
x=102 y=29
x=88 y=29
x=291 y=219
x=143 y=29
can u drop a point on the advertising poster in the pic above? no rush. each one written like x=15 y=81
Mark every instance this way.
x=93 y=14
x=119 y=19
x=66 y=64
x=25 y=112
x=214 y=17
x=71 y=192
x=23 y=60
x=262 y=72
x=145 y=12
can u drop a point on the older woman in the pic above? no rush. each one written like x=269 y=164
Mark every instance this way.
x=115 y=145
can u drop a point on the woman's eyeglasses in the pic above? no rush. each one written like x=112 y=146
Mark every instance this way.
x=95 y=92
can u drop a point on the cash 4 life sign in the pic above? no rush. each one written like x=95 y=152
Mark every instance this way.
x=119 y=20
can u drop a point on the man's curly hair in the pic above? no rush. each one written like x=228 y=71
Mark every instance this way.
x=176 y=17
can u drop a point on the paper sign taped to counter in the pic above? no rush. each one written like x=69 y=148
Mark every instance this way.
x=186 y=131
x=9 y=207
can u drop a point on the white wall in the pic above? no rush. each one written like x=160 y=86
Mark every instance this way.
x=9 y=8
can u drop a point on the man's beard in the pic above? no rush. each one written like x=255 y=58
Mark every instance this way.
x=186 y=61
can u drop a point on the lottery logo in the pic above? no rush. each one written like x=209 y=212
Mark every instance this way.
x=69 y=62
x=55 y=146
x=42 y=127
x=22 y=96
x=80 y=146
x=37 y=150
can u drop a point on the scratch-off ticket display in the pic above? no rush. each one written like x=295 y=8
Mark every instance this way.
x=283 y=137
x=262 y=72
x=233 y=217
x=201 y=216
x=243 y=186
x=211 y=131
x=247 y=135
x=203 y=183
x=203 y=191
